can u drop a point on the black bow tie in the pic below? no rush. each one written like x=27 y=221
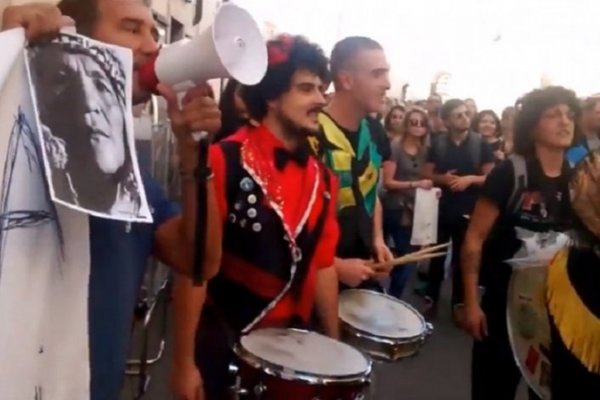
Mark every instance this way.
x=283 y=156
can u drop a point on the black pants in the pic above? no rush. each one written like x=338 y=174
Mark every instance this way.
x=494 y=372
x=454 y=230
x=214 y=355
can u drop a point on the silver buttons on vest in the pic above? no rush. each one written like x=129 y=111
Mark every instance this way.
x=247 y=184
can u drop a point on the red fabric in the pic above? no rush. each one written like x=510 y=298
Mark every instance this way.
x=296 y=183
x=244 y=273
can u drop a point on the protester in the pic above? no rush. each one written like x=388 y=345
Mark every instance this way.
x=120 y=251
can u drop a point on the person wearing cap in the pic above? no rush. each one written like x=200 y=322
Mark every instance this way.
x=277 y=205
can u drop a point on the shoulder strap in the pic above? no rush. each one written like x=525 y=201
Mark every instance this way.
x=475 y=144
x=520 y=182
x=235 y=173
x=440 y=144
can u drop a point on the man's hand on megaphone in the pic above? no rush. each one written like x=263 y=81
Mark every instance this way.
x=198 y=112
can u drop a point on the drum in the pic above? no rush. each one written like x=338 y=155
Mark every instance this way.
x=382 y=326
x=529 y=327
x=293 y=364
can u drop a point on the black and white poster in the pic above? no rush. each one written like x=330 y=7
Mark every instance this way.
x=81 y=93
x=44 y=256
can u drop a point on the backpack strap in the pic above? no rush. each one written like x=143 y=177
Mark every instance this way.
x=440 y=144
x=475 y=148
x=520 y=183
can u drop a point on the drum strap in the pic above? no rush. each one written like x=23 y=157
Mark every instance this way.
x=311 y=239
x=578 y=326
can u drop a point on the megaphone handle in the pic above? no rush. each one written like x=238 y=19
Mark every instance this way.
x=201 y=212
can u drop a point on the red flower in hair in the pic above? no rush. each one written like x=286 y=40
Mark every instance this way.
x=279 y=50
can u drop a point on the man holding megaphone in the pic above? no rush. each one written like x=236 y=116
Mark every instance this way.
x=119 y=252
x=277 y=206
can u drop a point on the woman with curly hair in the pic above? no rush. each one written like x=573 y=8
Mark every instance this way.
x=509 y=210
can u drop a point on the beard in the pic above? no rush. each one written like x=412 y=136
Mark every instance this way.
x=292 y=130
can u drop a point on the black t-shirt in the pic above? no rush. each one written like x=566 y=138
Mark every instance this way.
x=544 y=207
x=378 y=136
x=454 y=205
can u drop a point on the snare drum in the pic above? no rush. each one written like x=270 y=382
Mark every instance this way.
x=380 y=325
x=292 y=364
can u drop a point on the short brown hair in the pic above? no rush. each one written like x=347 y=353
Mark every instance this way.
x=346 y=49
x=85 y=13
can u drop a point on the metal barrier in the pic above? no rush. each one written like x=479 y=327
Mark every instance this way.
x=155 y=155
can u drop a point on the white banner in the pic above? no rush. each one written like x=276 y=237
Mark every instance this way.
x=44 y=257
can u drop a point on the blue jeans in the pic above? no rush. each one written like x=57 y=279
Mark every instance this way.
x=401 y=236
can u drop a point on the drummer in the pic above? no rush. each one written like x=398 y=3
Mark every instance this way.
x=505 y=213
x=280 y=232
x=355 y=146
x=573 y=293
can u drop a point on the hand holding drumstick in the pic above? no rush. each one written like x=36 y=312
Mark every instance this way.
x=423 y=254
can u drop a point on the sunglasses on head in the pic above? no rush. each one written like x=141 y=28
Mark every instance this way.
x=417 y=123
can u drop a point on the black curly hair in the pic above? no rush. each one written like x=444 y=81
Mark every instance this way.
x=287 y=54
x=530 y=109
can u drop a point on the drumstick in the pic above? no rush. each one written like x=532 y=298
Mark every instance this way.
x=423 y=254
x=387 y=266
x=426 y=250
x=432 y=248
x=403 y=259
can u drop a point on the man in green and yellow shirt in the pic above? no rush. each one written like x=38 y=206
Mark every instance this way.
x=355 y=147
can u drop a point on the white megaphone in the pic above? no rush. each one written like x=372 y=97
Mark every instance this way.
x=232 y=47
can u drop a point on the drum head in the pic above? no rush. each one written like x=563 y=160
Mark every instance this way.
x=380 y=315
x=305 y=352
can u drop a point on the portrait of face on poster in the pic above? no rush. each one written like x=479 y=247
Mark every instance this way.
x=81 y=90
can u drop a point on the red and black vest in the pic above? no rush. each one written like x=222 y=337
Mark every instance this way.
x=260 y=264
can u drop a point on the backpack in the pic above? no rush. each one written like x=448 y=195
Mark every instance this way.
x=520 y=184
x=441 y=147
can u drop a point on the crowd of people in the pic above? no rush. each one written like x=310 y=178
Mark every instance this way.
x=305 y=191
